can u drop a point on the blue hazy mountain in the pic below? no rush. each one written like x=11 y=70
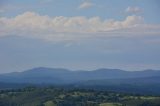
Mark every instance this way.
x=63 y=76
x=145 y=82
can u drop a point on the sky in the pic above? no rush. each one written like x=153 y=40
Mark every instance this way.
x=79 y=34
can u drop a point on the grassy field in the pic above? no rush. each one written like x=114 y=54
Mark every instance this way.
x=111 y=104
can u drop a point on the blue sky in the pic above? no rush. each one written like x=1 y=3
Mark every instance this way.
x=79 y=34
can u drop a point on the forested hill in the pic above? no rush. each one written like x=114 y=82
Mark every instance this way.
x=143 y=82
x=51 y=96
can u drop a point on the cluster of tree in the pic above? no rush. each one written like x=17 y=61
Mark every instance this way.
x=53 y=96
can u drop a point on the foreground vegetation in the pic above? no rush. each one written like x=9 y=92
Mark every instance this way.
x=51 y=96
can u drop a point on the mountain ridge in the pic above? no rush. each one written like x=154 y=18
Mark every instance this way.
x=61 y=75
x=145 y=82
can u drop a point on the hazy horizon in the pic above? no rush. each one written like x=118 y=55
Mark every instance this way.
x=69 y=69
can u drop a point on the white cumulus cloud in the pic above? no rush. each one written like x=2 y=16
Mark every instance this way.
x=60 y=28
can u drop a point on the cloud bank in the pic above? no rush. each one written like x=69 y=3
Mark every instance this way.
x=60 y=28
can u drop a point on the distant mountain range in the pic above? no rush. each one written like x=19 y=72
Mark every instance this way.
x=63 y=76
x=101 y=77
